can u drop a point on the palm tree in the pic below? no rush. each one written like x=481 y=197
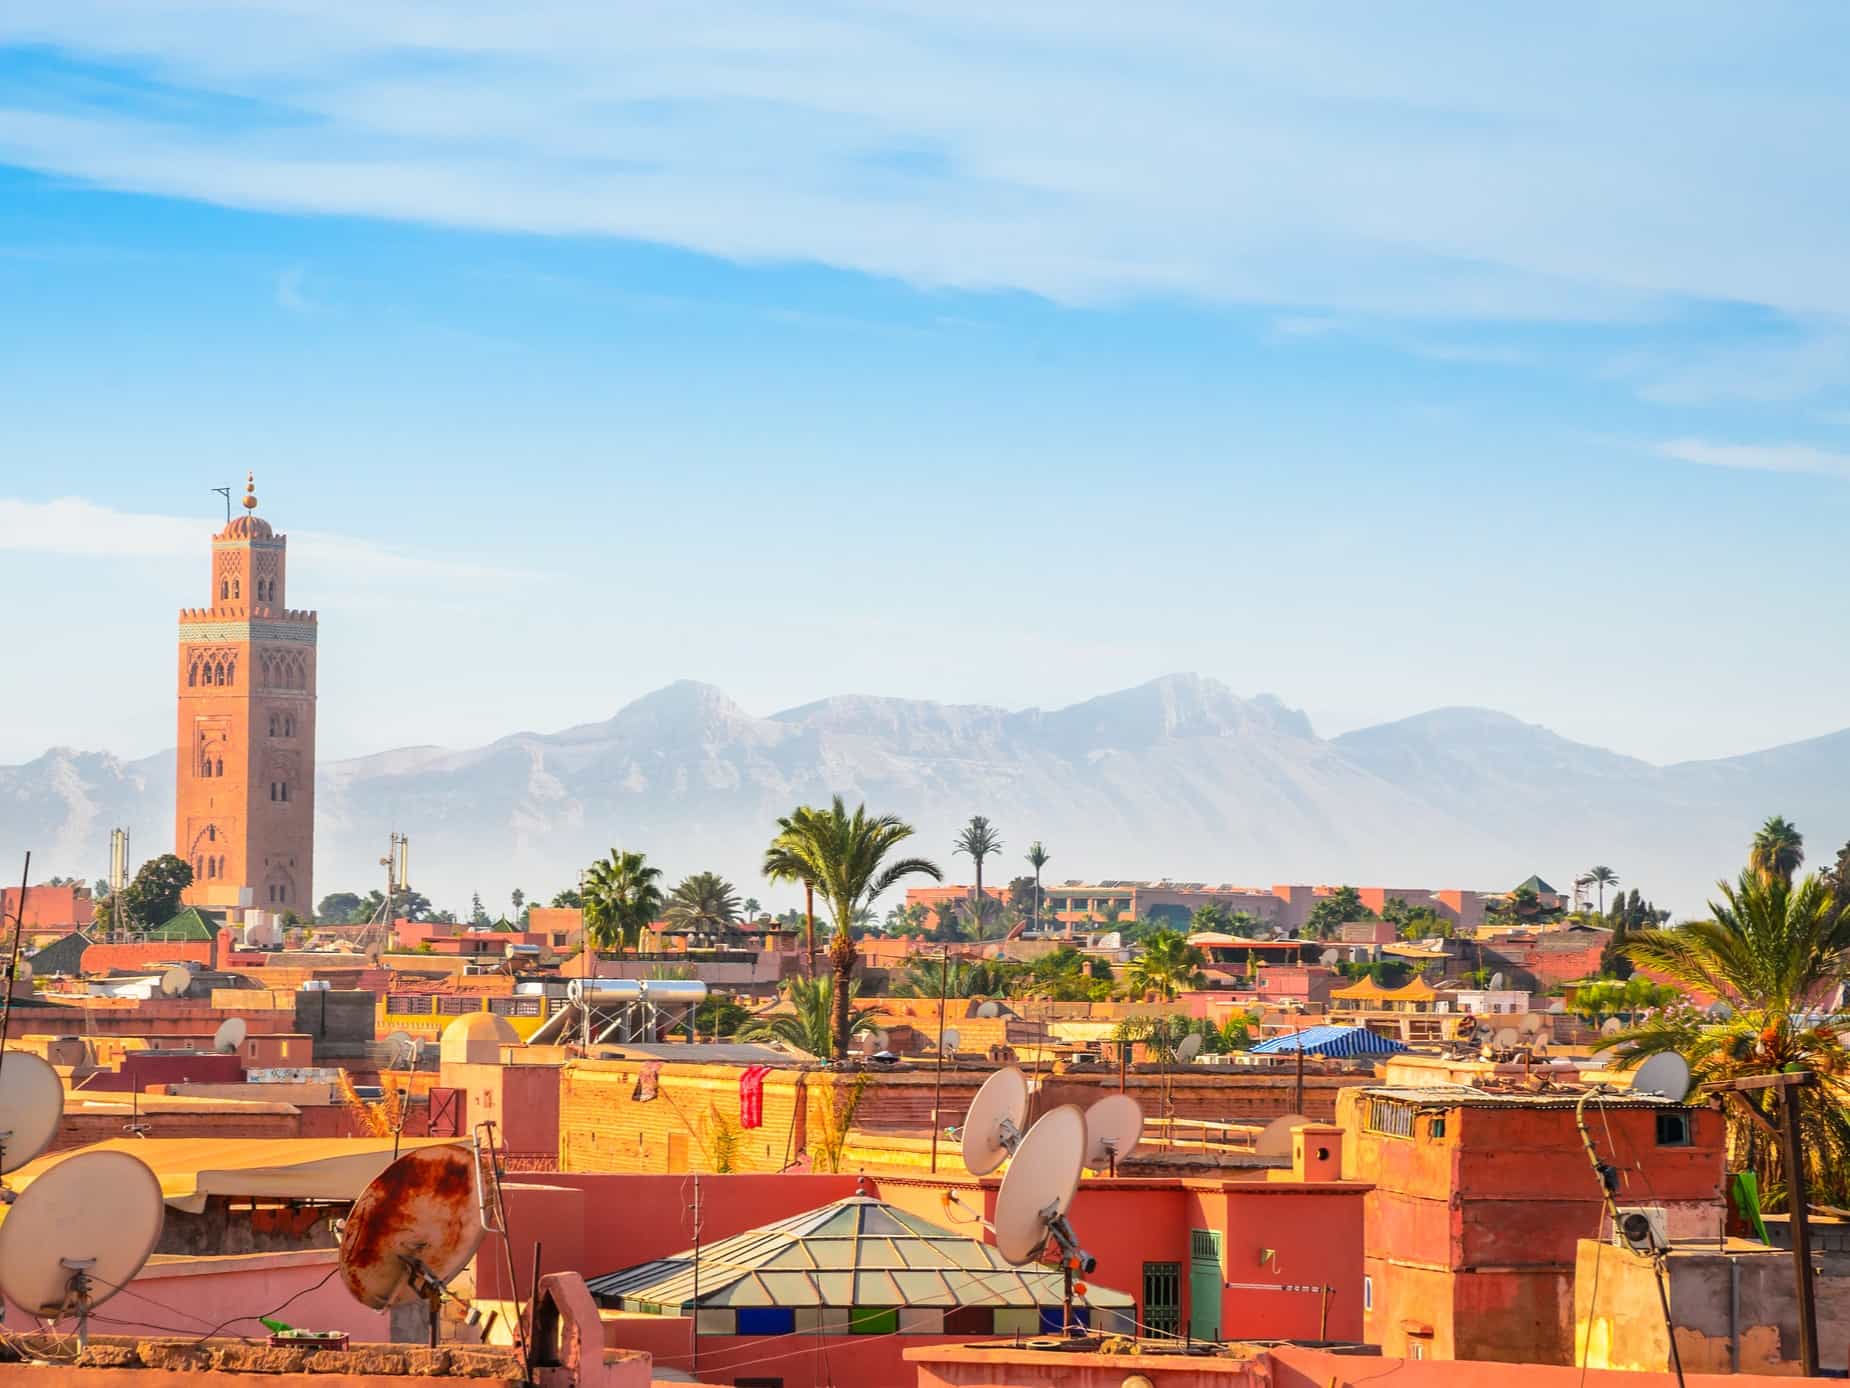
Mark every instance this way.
x=704 y=904
x=1771 y=952
x=844 y=857
x=977 y=840
x=621 y=898
x=751 y=908
x=783 y=863
x=926 y=974
x=808 y=1026
x=1037 y=859
x=1168 y=964
x=1778 y=848
x=1601 y=877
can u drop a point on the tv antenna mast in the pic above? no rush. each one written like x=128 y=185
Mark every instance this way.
x=226 y=493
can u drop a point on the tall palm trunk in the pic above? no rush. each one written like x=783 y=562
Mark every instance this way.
x=841 y=957
x=809 y=925
x=976 y=904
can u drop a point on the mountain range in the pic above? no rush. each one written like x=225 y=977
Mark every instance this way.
x=1179 y=778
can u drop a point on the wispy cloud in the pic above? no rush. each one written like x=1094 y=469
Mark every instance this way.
x=1469 y=162
x=292 y=292
x=1758 y=457
x=75 y=528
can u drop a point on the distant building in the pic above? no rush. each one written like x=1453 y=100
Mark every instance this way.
x=64 y=907
x=1284 y=905
x=244 y=812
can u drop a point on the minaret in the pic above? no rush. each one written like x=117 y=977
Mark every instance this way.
x=244 y=812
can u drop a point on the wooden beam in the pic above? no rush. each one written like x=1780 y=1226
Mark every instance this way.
x=1784 y=1081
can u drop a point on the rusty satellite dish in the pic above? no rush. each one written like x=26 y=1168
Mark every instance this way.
x=413 y=1229
x=31 y=1105
x=79 y=1234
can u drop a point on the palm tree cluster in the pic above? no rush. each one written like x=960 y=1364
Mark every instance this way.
x=809 y=1026
x=1771 y=954
x=704 y=904
x=978 y=840
x=1168 y=964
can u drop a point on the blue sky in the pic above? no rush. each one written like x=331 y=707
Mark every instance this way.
x=1382 y=359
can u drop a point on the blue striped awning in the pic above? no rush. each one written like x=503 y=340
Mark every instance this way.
x=1336 y=1042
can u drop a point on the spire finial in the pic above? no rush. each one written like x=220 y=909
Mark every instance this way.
x=250 y=491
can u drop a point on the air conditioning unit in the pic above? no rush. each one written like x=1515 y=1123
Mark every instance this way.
x=1641 y=1228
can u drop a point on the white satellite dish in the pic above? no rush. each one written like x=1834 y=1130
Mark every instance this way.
x=176 y=981
x=993 y=1125
x=1532 y=1024
x=1114 y=1127
x=1274 y=1139
x=1189 y=1048
x=950 y=1040
x=1666 y=1076
x=989 y=1009
x=1507 y=1037
x=229 y=1036
x=1329 y=958
x=79 y=1234
x=401 y=1051
x=1612 y=1026
x=1040 y=1184
x=31 y=1107
x=1496 y=981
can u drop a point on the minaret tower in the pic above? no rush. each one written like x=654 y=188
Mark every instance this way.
x=244 y=812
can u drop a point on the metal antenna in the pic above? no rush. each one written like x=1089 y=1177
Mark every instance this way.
x=226 y=493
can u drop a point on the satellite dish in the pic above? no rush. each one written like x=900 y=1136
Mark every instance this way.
x=176 y=981
x=1507 y=1037
x=413 y=1229
x=1329 y=958
x=1720 y=1012
x=1532 y=1024
x=229 y=1036
x=1611 y=1027
x=1496 y=981
x=1114 y=1127
x=949 y=1041
x=22 y=973
x=79 y=1234
x=401 y=1051
x=989 y=1009
x=992 y=1127
x=1039 y=1184
x=1666 y=1076
x=1274 y=1139
x=31 y=1107
x=1190 y=1047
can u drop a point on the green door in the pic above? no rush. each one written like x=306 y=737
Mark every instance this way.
x=1204 y=1284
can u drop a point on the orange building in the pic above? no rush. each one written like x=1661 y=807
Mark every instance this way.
x=244 y=811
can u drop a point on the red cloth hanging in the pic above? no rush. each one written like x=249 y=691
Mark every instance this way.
x=751 y=1096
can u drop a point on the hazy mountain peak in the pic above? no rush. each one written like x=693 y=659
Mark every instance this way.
x=1177 y=706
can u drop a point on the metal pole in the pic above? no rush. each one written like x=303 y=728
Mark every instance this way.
x=1801 y=1232
x=1660 y=1274
x=12 y=962
x=1066 y=1296
x=1297 y=1031
x=937 y=1092
x=696 y=1319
